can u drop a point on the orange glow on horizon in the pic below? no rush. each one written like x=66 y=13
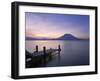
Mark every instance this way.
x=47 y=35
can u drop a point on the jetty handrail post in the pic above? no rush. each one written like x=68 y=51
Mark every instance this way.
x=59 y=48
x=44 y=56
x=44 y=49
x=37 y=48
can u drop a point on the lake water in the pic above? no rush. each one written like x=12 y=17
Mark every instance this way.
x=73 y=53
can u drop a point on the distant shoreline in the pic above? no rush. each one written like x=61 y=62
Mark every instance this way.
x=63 y=37
x=56 y=40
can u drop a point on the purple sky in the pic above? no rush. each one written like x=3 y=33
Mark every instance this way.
x=55 y=25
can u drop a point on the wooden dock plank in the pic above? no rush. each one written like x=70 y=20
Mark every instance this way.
x=47 y=52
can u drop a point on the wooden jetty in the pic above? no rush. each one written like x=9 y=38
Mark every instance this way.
x=41 y=57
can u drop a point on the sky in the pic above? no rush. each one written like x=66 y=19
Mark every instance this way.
x=55 y=25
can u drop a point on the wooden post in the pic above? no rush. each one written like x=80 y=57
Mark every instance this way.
x=44 y=56
x=59 y=49
x=44 y=50
x=37 y=48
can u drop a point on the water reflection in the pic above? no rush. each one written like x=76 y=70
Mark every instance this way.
x=73 y=53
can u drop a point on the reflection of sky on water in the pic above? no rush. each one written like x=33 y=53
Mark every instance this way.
x=48 y=44
x=72 y=53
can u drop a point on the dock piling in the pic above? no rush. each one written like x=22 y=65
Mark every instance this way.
x=44 y=52
x=37 y=48
x=59 y=48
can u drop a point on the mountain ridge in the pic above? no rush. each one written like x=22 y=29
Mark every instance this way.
x=63 y=37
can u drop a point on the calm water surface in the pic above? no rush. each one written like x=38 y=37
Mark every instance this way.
x=73 y=53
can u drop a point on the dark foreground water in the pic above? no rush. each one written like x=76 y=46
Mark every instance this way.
x=73 y=53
